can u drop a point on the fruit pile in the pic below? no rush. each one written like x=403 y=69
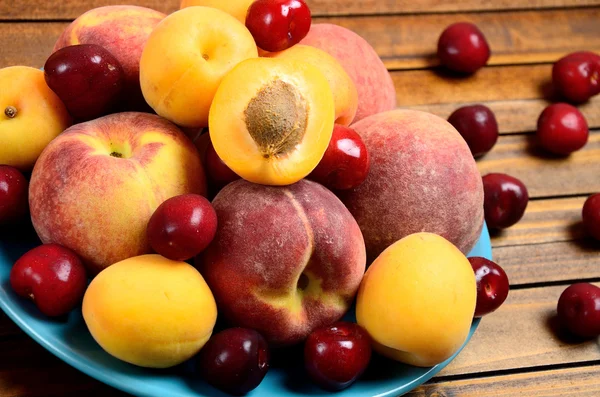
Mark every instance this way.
x=234 y=161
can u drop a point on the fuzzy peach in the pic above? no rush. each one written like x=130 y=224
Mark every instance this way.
x=417 y=300
x=31 y=115
x=344 y=91
x=235 y=8
x=96 y=185
x=123 y=31
x=185 y=60
x=376 y=91
x=285 y=260
x=423 y=178
x=271 y=120
x=150 y=311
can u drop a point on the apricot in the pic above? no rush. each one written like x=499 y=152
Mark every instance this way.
x=150 y=311
x=271 y=120
x=31 y=115
x=186 y=57
x=236 y=8
x=417 y=300
x=344 y=91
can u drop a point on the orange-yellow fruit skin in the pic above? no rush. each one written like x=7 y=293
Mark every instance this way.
x=235 y=8
x=344 y=91
x=417 y=300
x=150 y=311
x=40 y=116
x=186 y=57
x=228 y=126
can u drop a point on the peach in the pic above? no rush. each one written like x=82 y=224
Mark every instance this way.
x=235 y=8
x=185 y=60
x=285 y=260
x=417 y=300
x=272 y=119
x=123 y=31
x=31 y=115
x=423 y=178
x=96 y=185
x=344 y=91
x=150 y=311
x=376 y=91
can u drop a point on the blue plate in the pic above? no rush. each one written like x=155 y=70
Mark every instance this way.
x=70 y=341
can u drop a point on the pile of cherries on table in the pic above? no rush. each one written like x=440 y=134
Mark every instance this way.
x=562 y=129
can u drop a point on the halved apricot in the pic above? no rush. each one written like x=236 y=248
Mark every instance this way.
x=271 y=120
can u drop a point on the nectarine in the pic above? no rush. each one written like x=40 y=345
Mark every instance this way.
x=235 y=8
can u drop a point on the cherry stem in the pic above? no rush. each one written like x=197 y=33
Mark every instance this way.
x=10 y=112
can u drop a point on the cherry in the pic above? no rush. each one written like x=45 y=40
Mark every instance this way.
x=235 y=360
x=182 y=227
x=336 y=355
x=278 y=24
x=591 y=215
x=52 y=276
x=505 y=200
x=463 y=48
x=345 y=164
x=477 y=125
x=87 y=78
x=579 y=310
x=492 y=285
x=562 y=129
x=13 y=194
x=217 y=171
x=577 y=76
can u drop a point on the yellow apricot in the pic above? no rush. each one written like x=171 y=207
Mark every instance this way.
x=272 y=119
x=150 y=311
x=236 y=8
x=417 y=300
x=31 y=115
x=185 y=58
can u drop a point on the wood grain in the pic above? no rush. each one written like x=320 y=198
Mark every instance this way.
x=516 y=116
x=71 y=9
x=522 y=333
x=571 y=382
x=545 y=221
x=27 y=370
x=410 y=41
x=543 y=174
x=548 y=262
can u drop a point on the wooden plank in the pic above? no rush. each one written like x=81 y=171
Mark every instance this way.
x=543 y=174
x=547 y=262
x=516 y=116
x=28 y=370
x=545 y=221
x=28 y=44
x=571 y=382
x=7 y=326
x=522 y=333
x=501 y=83
x=410 y=41
x=70 y=9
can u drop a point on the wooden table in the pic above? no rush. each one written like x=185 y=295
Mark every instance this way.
x=516 y=351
